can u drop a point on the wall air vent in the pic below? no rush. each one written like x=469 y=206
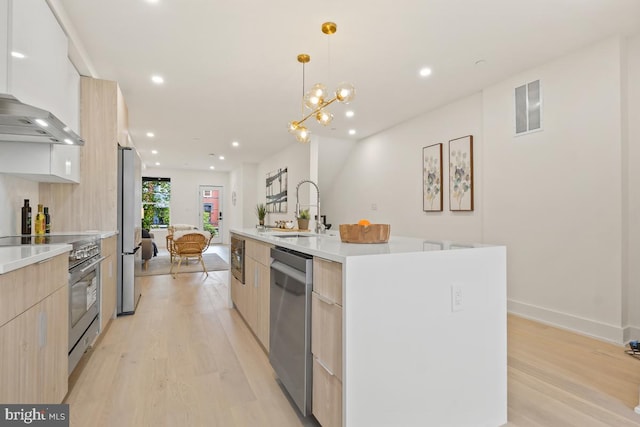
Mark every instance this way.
x=528 y=108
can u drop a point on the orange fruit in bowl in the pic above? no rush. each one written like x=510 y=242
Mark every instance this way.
x=364 y=222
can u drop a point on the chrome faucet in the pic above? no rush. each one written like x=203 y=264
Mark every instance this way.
x=320 y=228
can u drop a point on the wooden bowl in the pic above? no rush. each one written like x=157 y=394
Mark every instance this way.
x=372 y=233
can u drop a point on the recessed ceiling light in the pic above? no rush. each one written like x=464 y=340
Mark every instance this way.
x=352 y=131
x=42 y=123
x=68 y=141
x=154 y=151
x=426 y=71
x=157 y=163
x=212 y=167
x=152 y=1
x=157 y=79
x=151 y=134
x=18 y=55
x=235 y=143
x=349 y=113
x=221 y=157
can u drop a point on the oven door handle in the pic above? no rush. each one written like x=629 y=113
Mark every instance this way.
x=88 y=267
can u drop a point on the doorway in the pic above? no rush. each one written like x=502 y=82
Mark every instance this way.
x=211 y=210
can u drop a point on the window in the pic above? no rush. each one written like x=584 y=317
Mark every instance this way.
x=156 y=198
x=528 y=108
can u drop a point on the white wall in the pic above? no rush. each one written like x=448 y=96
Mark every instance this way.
x=296 y=158
x=13 y=191
x=633 y=188
x=185 y=197
x=386 y=170
x=554 y=197
x=557 y=198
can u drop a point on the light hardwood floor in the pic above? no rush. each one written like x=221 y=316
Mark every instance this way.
x=186 y=359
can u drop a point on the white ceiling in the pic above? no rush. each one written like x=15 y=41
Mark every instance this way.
x=231 y=73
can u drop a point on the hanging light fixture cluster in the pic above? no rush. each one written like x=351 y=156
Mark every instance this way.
x=318 y=98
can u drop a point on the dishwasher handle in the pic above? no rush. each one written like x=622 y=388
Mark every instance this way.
x=283 y=268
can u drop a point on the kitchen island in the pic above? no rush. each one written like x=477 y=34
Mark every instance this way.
x=423 y=329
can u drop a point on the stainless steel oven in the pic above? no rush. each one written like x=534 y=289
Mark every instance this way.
x=84 y=298
x=237 y=258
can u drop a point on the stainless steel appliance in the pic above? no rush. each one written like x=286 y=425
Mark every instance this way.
x=84 y=297
x=237 y=258
x=21 y=122
x=290 y=324
x=130 y=229
x=84 y=286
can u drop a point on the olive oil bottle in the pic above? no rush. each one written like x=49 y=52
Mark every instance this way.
x=40 y=223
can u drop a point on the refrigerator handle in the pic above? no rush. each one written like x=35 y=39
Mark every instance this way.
x=134 y=250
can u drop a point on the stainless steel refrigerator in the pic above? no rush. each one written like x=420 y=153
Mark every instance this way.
x=129 y=228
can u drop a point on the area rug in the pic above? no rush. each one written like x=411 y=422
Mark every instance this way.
x=162 y=265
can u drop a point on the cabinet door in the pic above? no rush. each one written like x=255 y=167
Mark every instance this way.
x=53 y=358
x=326 y=333
x=327 y=397
x=19 y=355
x=33 y=350
x=327 y=279
x=108 y=283
x=251 y=279
x=264 y=293
x=40 y=77
x=238 y=294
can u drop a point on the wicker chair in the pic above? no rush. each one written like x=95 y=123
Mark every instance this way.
x=170 y=232
x=188 y=246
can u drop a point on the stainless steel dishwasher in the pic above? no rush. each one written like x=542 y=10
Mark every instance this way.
x=290 y=323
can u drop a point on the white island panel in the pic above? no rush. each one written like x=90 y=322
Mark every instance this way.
x=410 y=359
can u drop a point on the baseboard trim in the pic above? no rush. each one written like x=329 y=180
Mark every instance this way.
x=602 y=331
x=631 y=333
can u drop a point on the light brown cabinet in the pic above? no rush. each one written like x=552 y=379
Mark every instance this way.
x=252 y=298
x=92 y=204
x=34 y=340
x=326 y=341
x=108 y=282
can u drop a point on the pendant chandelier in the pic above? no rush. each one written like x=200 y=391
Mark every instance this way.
x=318 y=98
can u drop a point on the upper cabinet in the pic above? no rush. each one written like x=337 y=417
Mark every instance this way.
x=38 y=69
x=35 y=68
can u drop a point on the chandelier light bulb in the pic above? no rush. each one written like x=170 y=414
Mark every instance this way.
x=302 y=134
x=324 y=117
x=293 y=126
x=313 y=101
x=345 y=92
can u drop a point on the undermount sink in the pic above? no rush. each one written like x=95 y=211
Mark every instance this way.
x=291 y=235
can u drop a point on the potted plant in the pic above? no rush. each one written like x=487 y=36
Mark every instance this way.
x=303 y=219
x=261 y=212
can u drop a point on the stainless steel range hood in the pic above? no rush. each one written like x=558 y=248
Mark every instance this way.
x=24 y=123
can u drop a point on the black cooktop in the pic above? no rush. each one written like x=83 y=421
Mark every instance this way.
x=74 y=239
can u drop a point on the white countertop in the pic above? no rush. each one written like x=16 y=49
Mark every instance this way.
x=329 y=245
x=15 y=257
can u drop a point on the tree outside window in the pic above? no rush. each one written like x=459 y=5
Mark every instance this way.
x=156 y=197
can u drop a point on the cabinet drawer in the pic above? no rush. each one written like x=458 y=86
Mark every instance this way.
x=327 y=279
x=259 y=251
x=326 y=333
x=327 y=397
x=25 y=287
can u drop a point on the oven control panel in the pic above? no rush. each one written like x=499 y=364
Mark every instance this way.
x=84 y=252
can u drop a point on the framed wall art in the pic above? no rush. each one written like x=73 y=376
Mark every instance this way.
x=432 y=178
x=461 y=174
x=276 y=187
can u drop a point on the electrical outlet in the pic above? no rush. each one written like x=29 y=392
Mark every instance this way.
x=457 y=301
